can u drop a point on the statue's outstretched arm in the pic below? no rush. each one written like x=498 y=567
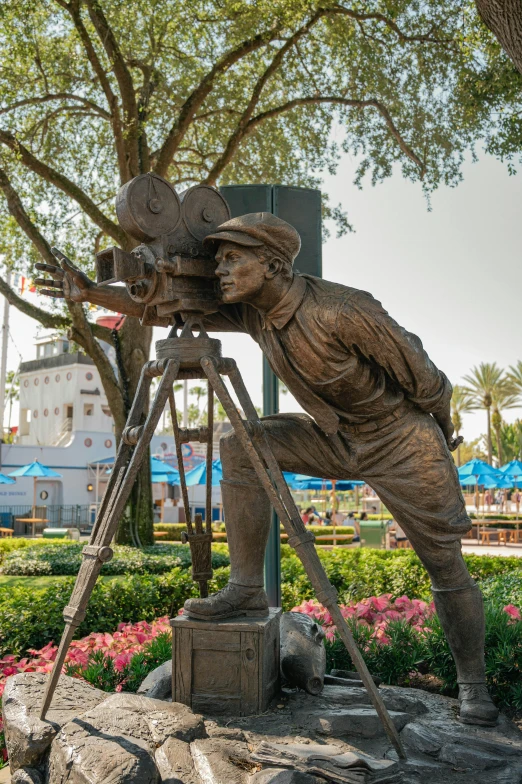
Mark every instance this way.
x=69 y=282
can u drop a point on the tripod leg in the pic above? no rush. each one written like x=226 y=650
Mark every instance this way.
x=298 y=537
x=98 y=551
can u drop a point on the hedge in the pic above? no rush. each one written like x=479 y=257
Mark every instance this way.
x=174 y=530
x=32 y=618
x=60 y=560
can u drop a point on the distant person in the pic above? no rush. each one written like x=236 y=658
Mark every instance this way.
x=305 y=516
x=488 y=499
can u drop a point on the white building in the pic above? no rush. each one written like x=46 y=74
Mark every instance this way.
x=60 y=394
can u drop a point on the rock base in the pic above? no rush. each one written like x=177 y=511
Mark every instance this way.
x=92 y=737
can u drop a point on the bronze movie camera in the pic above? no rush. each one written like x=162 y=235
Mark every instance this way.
x=170 y=272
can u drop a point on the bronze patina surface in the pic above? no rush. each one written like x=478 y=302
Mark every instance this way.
x=378 y=409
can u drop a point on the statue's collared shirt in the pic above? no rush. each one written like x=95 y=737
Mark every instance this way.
x=340 y=354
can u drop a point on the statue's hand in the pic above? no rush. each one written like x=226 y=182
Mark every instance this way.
x=68 y=282
x=454 y=443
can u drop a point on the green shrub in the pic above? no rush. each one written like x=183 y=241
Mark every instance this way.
x=503 y=589
x=173 y=531
x=392 y=662
x=410 y=652
x=101 y=672
x=365 y=572
x=7 y=545
x=503 y=650
x=59 y=560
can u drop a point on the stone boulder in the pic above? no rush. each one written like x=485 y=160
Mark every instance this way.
x=158 y=683
x=27 y=737
x=118 y=740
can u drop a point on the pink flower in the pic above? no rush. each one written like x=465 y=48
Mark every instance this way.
x=513 y=611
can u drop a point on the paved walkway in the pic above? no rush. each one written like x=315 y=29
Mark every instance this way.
x=5 y=777
x=472 y=546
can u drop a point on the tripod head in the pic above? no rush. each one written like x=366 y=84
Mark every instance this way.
x=170 y=272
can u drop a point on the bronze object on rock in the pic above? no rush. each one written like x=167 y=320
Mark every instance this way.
x=380 y=411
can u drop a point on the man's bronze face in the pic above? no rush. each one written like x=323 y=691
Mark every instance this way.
x=241 y=274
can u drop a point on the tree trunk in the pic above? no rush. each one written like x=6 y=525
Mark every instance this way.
x=504 y=19
x=499 y=446
x=490 y=444
x=133 y=350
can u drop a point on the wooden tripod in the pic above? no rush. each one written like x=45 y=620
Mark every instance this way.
x=187 y=356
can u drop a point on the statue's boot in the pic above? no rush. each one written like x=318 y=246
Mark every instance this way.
x=461 y=613
x=247 y=520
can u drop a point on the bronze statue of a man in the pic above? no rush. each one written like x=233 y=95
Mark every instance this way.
x=377 y=409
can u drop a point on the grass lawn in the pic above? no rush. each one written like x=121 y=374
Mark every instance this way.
x=9 y=581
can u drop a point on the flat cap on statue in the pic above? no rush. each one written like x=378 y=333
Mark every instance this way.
x=257 y=229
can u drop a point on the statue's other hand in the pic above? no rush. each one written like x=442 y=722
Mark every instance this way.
x=454 y=443
x=67 y=281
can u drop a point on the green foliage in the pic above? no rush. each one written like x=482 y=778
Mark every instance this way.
x=60 y=560
x=503 y=649
x=31 y=619
x=504 y=589
x=9 y=545
x=409 y=84
x=101 y=672
x=392 y=662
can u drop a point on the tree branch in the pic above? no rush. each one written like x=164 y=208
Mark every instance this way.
x=377 y=17
x=17 y=210
x=56 y=97
x=74 y=10
x=125 y=84
x=220 y=165
x=48 y=320
x=198 y=95
x=64 y=184
x=81 y=332
x=274 y=65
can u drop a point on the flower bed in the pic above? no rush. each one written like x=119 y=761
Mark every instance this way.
x=375 y=613
x=402 y=638
x=397 y=637
x=108 y=661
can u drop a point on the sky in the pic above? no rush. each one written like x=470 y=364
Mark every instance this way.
x=451 y=275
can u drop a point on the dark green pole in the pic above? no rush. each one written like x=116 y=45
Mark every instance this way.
x=273 y=547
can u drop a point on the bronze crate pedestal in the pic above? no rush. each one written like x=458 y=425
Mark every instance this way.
x=226 y=667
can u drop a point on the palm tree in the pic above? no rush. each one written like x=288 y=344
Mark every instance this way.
x=504 y=396
x=485 y=385
x=461 y=403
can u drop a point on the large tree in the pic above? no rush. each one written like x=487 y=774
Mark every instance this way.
x=95 y=92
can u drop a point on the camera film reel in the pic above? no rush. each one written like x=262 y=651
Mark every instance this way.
x=147 y=207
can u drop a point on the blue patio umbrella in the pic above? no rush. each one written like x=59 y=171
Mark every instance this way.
x=36 y=470
x=290 y=479
x=476 y=468
x=198 y=475
x=512 y=469
x=162 y=473
x=304 y=482
x=6 y=480
x=501 y=482
x=480 y=479
x=160 y=468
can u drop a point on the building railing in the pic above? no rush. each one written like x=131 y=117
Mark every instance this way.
x=80 y=516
